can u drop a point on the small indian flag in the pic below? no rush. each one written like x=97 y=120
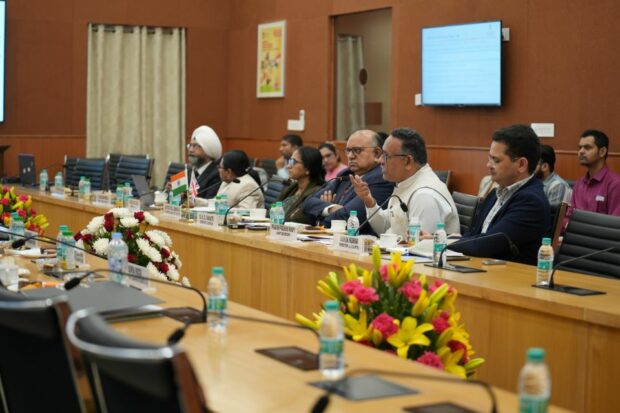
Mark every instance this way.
x=179 y=183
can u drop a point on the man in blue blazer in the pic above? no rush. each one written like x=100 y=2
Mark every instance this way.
x=338 y=198
x=518 y=207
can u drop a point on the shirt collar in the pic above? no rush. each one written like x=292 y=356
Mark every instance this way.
x=504 y=193
x=203 y=167
x=414 y=177
x=599 y=176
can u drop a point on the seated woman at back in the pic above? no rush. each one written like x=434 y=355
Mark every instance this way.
x=331 y=161
x=238 y=180
x=305 y=167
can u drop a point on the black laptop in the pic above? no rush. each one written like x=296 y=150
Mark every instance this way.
x=27 y=174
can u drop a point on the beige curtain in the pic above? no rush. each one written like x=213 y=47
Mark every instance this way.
x=350 y=93
x=136 y=93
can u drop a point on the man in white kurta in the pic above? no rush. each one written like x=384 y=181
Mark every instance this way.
x=405 y=162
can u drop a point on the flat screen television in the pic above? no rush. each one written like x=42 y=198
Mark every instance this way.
x=26 y=169
x=462 y=65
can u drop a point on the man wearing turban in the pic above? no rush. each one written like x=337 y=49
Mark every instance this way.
x=203 y=153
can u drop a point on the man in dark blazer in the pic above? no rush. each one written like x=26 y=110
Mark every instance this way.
x=517 y=208
x=204 y=153
x=338 y=198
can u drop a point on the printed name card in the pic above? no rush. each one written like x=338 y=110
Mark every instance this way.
x=80 y=258
x=134 y=205
x=58 y=191
x=356 y=245
x=142 y=283
x=103 y=199
x=31 y=241
x=208 y=219
x=171 y=211
x=283 y=232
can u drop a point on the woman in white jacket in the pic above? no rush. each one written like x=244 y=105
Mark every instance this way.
x=239 y=180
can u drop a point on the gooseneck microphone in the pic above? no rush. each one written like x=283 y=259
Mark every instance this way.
x=22 y=241
x=243 y=199
x=323 y=401
x=403 y=206
x=568 y=289
x=461 y=268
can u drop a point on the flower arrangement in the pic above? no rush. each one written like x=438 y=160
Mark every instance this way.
x=392 y=310
x=22 y=204
x=147 y=248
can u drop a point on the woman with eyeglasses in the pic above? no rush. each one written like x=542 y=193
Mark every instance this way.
x=239 y=179
x=331 y=161
x=306 y=169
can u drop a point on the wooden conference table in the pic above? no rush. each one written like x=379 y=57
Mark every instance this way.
x=500 y=309
x=235 y=378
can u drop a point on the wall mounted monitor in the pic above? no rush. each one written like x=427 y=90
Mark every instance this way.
x=462 y=65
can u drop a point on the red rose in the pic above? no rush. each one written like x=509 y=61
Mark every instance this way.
x=23 y=198
x=366 y=295
x=108 y=225
x=87 y=237
x=164 y=252
x=77 y=236
x=385 y=324
x=33 y=213
x=139 y=215
x=5 y=201
x=22 y=213
x=5 y=189
x=163 y=267
x=131 y=258
x=108 y=216
x=350 y=286
x=128 y=234
x=146 y=237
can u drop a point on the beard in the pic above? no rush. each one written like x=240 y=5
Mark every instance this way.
x=195 y=161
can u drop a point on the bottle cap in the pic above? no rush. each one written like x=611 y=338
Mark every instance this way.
x=217 y=271
x=67 y=233
x=43 y=170
x=278 y=204
x=536 y=354
x=353 y=213
x=546 y=241
x=117 y=235
x=82 y=177
x=63 y=228
x=332 y=305
x=441 y=225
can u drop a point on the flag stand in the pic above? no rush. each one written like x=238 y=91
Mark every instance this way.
x=186 y=216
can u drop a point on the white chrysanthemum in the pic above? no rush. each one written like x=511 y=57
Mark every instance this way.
x=177 y=260
x=146 y=249
x=172 y=273
x=150 y=219
x=95 y=224
x=101 y=246
x=185 y=282
x=154 y=272
x=121 y=212
x=129 y=222
x=156 y=237
x=80 y=244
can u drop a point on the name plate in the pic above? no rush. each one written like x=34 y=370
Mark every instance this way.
x=172 y=211
x=31 y=242
x=208 y=219
x=142 y=283
x=103 y=199
x=134 y=205
x=58 y=192
x=80 y=257
x=283 y=232
x=356 y=245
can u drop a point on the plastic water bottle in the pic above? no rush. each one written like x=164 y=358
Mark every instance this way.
x=17 y=227
x=43 y=180
x=68 y=257
x=119 y=196
x=331 y=353
x=117 y=257
x=87 y=189
x=545 y=262
x=218 y=299
x=279 y=213
x=127 y=194
x=60 y=248
x=273 y=214
x=440 y=240
x=414 y=231
x=353 y=224
x=58 y=180
x=534 y=383
x=81 y=189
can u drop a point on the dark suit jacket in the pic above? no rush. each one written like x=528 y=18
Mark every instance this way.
x=524 y=218
x=209 y=180
x=294 y=212
x=345 y=196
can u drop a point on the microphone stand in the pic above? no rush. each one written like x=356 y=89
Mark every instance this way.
x=566 y=288
x=241 y=200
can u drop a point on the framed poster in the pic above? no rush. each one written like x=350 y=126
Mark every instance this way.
x=270 y=65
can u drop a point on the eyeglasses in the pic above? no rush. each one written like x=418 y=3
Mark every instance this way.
x=356 y=150
x=292 y=161
x=386 y=156
x=496 y=161
x=192 y=146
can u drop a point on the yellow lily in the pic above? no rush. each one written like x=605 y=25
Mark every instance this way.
x=353 y=305
x=439 y=293
x=358 y=329
x=326 y=289
x=404 y=274
x=444 y=337
x=431 y=313
x=367 y=278
x=473 y=364
x=314 y=325
x=408 y=335
x=450 y=361
x=421 y=305
x=376 y=258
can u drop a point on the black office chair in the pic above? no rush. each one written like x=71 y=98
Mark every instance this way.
x=269 y=165
x=113 y=159
x=274 y=188
x=444 y=176
x=173 y=169
x=91 y=168
x=466 y=206
x=588 y=232
x=132 y=376
x=36 y=360
x=557 y=212
x=71 y=180
x=128 y=166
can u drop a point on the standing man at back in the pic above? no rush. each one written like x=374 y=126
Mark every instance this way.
x=599 y=190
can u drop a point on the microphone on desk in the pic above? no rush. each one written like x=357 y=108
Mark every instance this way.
x=461 y=268
x=243 y=199
x=23 y=239
x=323 y=401
x=568 y=289
x=403 y=206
